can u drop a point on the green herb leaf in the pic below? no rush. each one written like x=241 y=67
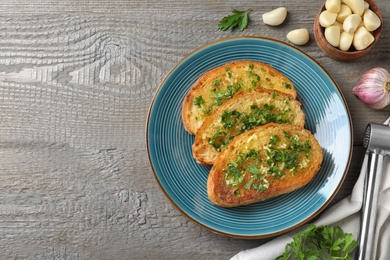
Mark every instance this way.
x=218 y=98
x=218 y=139
x=253 y=170
x=217 y=82
x=286 y=85
x=321 y=242
x=243 y=23
x=230 y=118
x=199 y=101
x=238 y=19
x=248 y=184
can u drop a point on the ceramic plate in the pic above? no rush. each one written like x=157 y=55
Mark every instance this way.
x=184 y=181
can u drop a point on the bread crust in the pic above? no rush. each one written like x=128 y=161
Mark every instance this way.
x=213 y=88
x=223 y=195
x=285 y=109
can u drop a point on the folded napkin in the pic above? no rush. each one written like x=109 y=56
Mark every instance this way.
x=345 y=214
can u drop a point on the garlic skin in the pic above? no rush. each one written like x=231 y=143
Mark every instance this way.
x=374 y=88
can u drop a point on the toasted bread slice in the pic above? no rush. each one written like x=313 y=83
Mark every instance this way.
x=243 y=112
x=216 y=86
x=264 y=162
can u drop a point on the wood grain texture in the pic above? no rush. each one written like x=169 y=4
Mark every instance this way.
x=76 y=82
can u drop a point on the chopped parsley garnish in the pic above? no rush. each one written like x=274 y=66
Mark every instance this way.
x=278 y=158
x=227 y=69
x=231 y=91
x=230 y=118
x=286 y=85
x=297 y=146
x=255 y=75
x=234 y=174
x=237 y=122
x=272 y=141
x=199 y=101
x=253 y=169
x=218 y=139
x=223 y=95
x=217 y=82
x=236 y=170
x=218 y=98
x=248 y=185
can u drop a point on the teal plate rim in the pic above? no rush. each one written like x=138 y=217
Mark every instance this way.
x=183 y=181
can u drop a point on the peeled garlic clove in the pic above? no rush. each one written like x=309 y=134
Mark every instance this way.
x=362 y=38
x=333 y=5
x=357 y=6
x=366 y=5
x=351 y=23
x=275 y=17
x=332 y=35
x=371 y=20
x=345 y=41
x=327 y=18
x=344 y=12
x=339 y=25
x=374 y=88
x=298 y=36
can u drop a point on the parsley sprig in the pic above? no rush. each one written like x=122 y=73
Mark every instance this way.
x=323 y=242
x=237 y=19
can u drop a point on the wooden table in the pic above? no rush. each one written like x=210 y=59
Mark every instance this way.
x=76 y=82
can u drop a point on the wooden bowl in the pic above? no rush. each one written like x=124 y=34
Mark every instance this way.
x=352 y=53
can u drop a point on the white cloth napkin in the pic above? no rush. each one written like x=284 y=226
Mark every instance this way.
x=345 y=214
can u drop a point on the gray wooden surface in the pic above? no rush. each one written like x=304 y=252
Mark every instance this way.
x=76 y=82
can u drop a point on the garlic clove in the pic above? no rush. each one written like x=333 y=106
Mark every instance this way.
x=333 y=5
x=332 y=35
x=371 y=20
x=298 y=36
x=351 y=23
x=345 y=41
x=362 y=38
x=327 y=18
x=373 y=88
x=357 y=6
x=344 y=12
x=275 y=17
x=366 y=5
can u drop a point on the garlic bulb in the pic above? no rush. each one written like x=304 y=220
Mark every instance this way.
x=374 y=88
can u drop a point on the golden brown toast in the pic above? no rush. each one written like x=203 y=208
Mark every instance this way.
x=243 y=112
x=264 y=162
x=216 y=86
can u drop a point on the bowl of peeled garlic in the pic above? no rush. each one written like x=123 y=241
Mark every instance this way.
x=346 y=30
